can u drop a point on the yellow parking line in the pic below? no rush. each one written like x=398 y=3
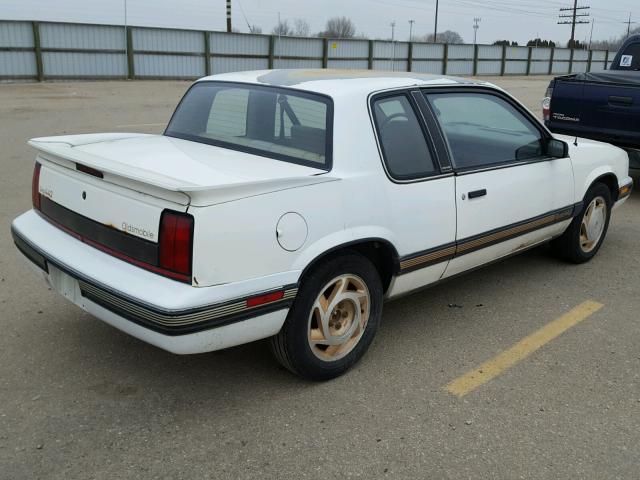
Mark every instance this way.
x=525 y=347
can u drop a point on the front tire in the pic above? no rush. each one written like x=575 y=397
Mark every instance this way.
x=333 y=319
x=583 y=238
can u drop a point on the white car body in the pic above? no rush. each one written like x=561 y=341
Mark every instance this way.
x=259 y=223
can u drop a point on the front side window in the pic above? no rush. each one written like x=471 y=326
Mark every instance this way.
x=268 y=121
x=484 y=130
x=402 y=140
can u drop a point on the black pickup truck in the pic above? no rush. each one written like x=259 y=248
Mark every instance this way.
x=601 y=105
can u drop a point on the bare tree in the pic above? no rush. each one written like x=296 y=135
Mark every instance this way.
x=282 y=28
x=448 y=36
x=339 y=27
x=614 y=43
x=301 y=27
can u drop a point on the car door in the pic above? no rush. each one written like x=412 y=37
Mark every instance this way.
x=419 y=191
x=509 y=193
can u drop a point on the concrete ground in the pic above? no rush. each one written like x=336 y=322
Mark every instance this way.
x=79 y=399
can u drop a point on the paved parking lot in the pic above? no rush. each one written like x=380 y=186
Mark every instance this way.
x=79 y=399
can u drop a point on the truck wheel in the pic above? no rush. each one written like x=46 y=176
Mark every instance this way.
x=333 y=319
x=584 y=236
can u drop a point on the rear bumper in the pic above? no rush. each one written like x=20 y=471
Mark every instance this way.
x=171 y=315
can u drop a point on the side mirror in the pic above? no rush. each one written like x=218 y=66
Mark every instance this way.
x=557 y=148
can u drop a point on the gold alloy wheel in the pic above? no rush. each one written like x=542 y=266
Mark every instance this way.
x=592 y=226
x=339 y=317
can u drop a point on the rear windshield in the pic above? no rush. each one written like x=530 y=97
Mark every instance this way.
x=277 y=123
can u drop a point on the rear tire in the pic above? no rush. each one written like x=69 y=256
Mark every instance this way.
x=333 y=319
x=583 y=238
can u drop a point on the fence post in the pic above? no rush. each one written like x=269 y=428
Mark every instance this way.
x=529 y=55
x=325 y=52
x=131 y=72
x=445 y=55
x=553 y=51
x=37 y=50
x=410 y=57
x=207 y=54
x=589 y=58
x=370 y=59
x=272 y=48
x=571 y=60
x=606 y=59
x=476 y=48
x=503 y=61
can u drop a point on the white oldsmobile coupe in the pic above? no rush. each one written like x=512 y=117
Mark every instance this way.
x=290 y=203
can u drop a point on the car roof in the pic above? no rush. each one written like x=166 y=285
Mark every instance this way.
x=335 y=82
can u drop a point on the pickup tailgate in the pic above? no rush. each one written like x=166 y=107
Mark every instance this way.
x=603 y=106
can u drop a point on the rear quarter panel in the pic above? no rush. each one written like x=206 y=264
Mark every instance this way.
x=237 y=240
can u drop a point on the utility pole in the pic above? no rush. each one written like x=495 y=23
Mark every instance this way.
x=126 y=34
x=475 y=29
x=593 y=20
x=435 y=28
x=393 y=44
x=279 y=36
x=228 y=16
x=411 y=22
x=576 y=18
x=629 y=22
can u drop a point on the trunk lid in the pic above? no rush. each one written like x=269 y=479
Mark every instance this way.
x=204 y=174
x=116 y=191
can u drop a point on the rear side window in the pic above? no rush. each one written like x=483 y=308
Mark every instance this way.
x=404 y=146
x=272 y=122
x=484 y=130
x=630 y=58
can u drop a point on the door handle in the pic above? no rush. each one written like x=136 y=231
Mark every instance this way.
x=477 y=193
x=617 y=100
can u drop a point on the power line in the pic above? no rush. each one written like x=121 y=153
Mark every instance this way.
x=245 y=17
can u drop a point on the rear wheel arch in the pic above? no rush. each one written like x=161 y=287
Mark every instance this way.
x=380 y=252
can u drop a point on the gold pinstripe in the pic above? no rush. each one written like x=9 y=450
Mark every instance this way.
x=179 y=319
x=479 y=242
x=429 y=257
x=556 y=217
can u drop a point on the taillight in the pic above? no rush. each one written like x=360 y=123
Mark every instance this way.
x=35 y=186
x=176 y=242
x=546 y=105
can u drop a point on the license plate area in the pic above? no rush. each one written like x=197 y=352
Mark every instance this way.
x=63 y=283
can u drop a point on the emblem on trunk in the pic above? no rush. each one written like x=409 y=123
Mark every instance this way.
x=138 y=231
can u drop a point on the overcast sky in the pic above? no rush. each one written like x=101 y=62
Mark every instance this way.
x=518 y=20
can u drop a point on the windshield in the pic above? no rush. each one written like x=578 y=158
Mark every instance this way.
x=277 y=123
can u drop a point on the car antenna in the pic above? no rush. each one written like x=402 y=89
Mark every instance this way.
x=575 y=142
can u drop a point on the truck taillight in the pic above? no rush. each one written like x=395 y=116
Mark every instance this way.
x=35 y=186
x=176 y=242
x=546 y=105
